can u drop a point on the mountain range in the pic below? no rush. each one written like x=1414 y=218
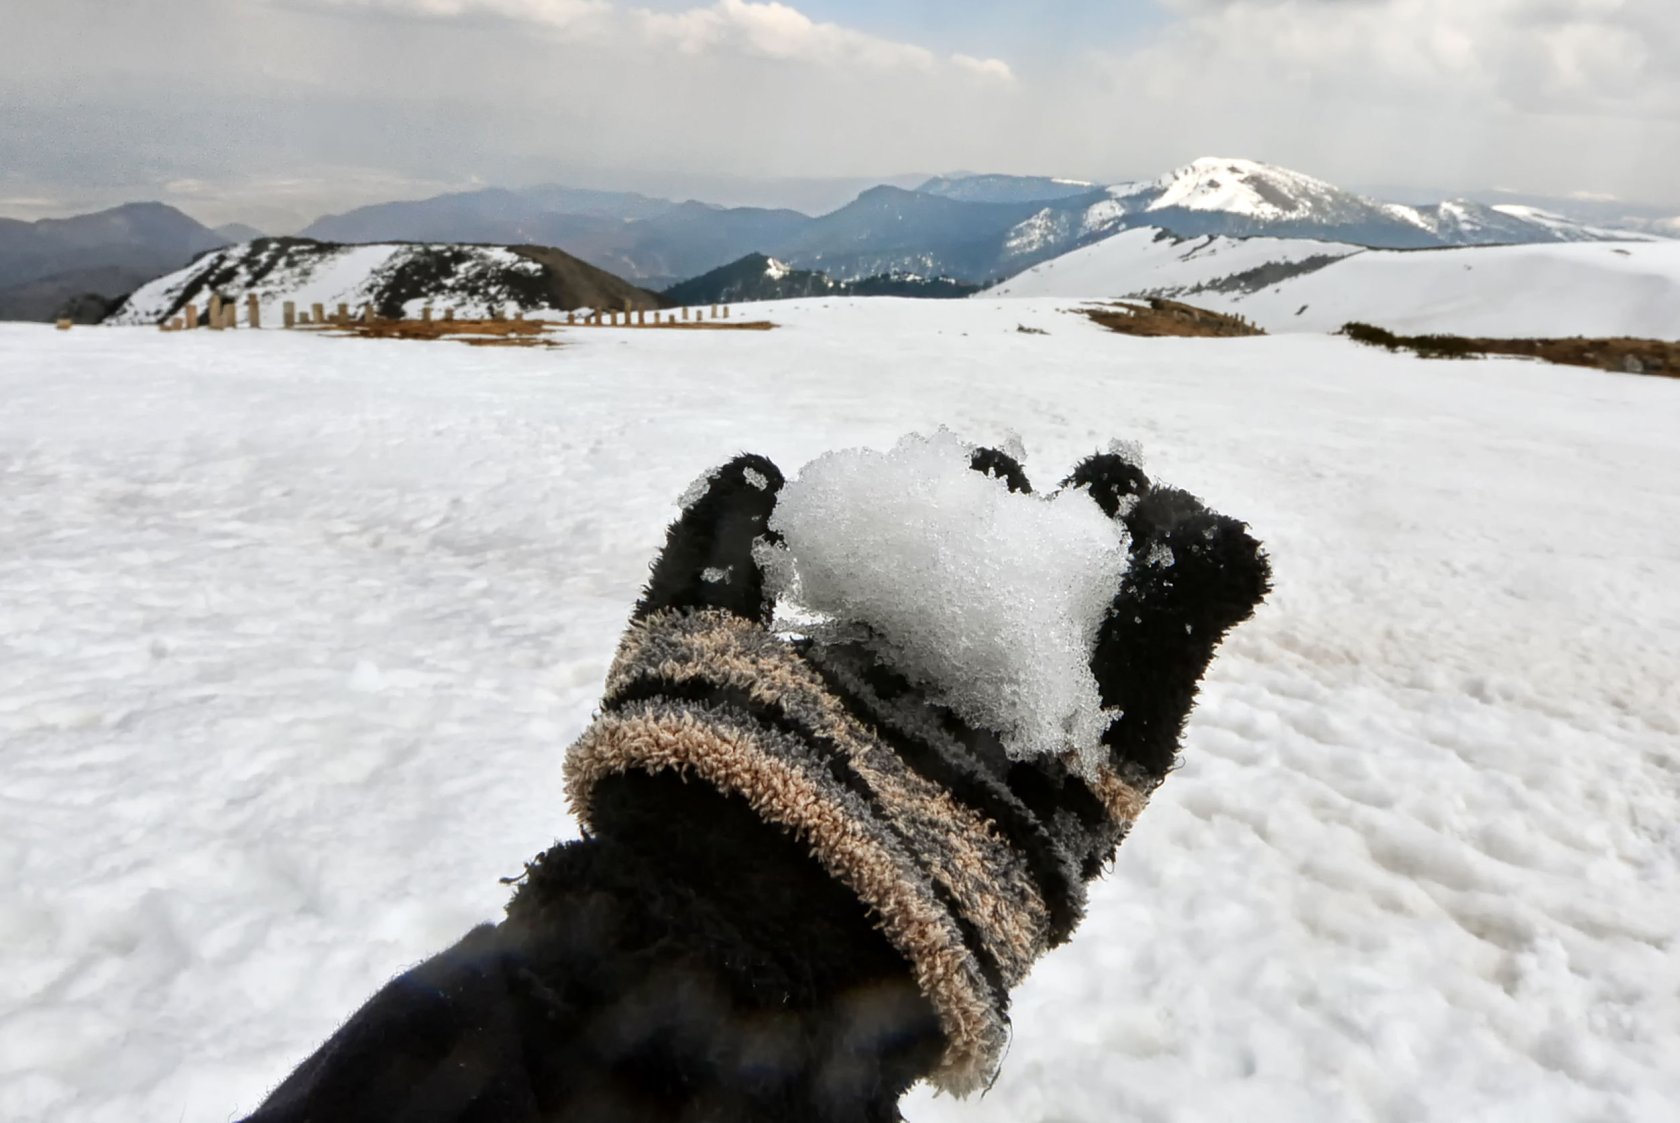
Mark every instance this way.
x=48 y=266
x=966 y=229
x=973 y=228
x=758 y=277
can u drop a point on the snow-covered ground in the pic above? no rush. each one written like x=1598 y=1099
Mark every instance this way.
x=294 y=631
x=1148 y=261
x=1546 y=290
x=327 y=275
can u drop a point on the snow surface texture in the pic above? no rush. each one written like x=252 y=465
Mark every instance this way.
x=1542 y=291
x=990 y=601
x=296 y=629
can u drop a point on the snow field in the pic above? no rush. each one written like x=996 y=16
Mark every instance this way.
x=294 y=631
x=1539 y=291
x=1143 y=261
x=1535 y=291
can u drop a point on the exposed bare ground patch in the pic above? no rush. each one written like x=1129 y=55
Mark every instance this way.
x=1623 y=355
x=713 y=325
x=509 y=333
x=1156 y=316
x=503 y=333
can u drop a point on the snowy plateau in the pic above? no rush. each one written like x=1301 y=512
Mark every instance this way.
x=1298 y=285
x=294 y=631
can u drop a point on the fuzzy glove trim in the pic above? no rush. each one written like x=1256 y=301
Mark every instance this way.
x=710 y=694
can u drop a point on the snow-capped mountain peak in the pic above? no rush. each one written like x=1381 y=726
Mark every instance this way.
x=1243 y=187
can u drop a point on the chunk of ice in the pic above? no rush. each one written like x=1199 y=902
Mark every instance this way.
x=1132 y=451
x=990 y=602
x=693 y=493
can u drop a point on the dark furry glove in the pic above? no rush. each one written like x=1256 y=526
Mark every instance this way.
x=970 y=863
x=803 y=886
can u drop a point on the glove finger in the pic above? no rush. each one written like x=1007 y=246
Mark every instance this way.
x=708 y=561
x=1194 y=575
x=1000 y=465
x=1114 y=482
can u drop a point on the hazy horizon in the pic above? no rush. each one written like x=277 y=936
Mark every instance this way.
x=274 y=112
x=813 y=196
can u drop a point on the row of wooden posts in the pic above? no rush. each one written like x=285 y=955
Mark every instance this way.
x=225 y=314
x=642 y=317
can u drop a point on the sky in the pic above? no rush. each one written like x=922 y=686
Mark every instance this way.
x=272 y=112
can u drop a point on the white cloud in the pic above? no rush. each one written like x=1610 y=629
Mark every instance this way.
x=562 y=14
x=1546 y=95
x=1556 y=94
x=781 y=33
x=777 y=31
x=1578 y=56
x=767 y=30
x=992 y=68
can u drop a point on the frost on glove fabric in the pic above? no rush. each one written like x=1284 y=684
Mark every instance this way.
x=971 y=861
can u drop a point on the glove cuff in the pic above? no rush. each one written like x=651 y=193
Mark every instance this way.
x=963 y=879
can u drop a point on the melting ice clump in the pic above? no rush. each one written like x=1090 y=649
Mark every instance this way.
x=989 y=601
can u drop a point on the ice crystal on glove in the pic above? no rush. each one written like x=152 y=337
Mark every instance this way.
x=989 y=601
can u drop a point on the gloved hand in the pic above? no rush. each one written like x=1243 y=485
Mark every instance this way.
x=803 y=886
x=970 y=863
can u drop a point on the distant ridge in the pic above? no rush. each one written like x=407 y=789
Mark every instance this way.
x=1244 y=198
x=44 y=265
x=965 y=229
x=650 y=241
x=971 y=188
x=975 y=228
x=395 y=279
x=760 y=277
x=239 y=232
